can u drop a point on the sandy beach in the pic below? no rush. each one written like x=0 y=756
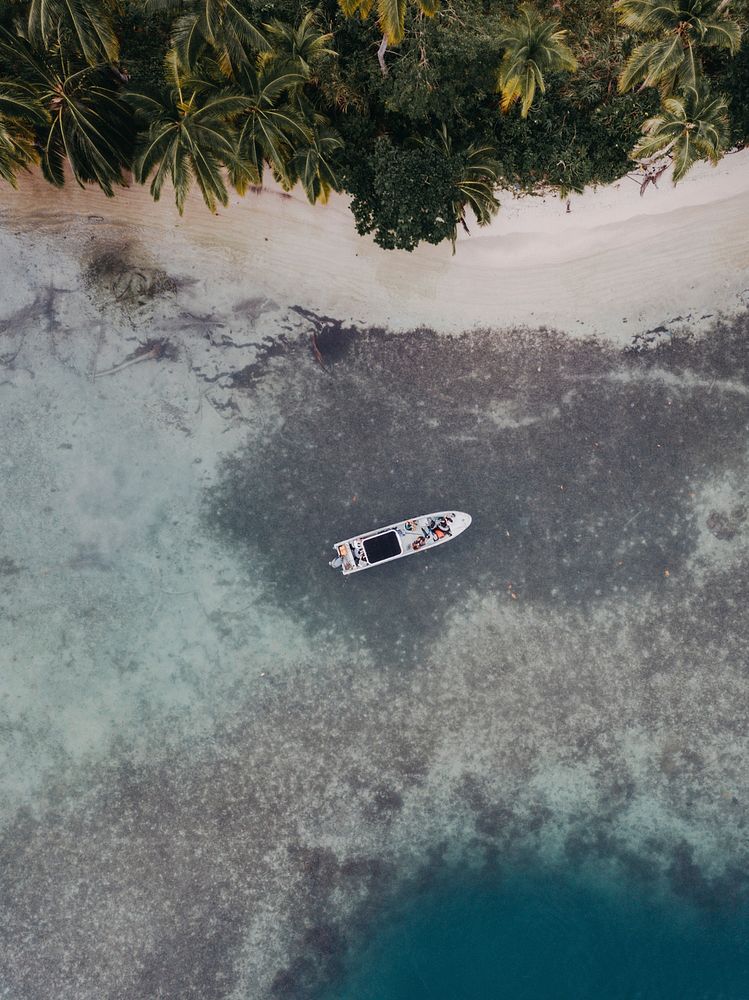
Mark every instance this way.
x=219 y=760
x=615 y=265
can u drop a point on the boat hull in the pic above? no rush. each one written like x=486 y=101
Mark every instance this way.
x=398 y=540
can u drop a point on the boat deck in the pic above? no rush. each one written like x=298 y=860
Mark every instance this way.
x=404 y=538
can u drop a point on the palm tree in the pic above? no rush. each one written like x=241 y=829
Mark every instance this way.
x=311 y=165
x=475 y=179
x=302 y=45
x=671 y=60
x=188 y=136
x=225 y=27
x=476 y=184
x=533 y=48
x=91 y=23
x=282 y=126
x=693 y=126
x=270 y=126
x=19 y=113
x=87 y=122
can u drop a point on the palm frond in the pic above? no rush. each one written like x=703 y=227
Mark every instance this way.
x=302 y=45
x=311 y=165
x=91 y=21
x=723 y=35
x=361 y=7
x=20 y=102
x=685 y=155
x=20 y=111
x=391 y=15
x=188 y=38
x=190 y=136
x=647 y=16
x=85 y=119
x=665 y=59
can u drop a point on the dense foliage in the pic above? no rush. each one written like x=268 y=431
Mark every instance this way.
x=420 y=110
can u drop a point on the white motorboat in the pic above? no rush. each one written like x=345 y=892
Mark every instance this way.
x=405 y=538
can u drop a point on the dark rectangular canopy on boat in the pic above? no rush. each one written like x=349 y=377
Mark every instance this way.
x=383 y=546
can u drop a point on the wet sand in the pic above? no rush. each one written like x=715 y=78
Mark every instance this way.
x=616 y=265
x=220 y=758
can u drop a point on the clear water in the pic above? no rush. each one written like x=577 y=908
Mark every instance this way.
x=212 y=747
x=541 y=939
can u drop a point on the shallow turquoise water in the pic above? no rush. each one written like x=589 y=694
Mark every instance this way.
x=533 y=939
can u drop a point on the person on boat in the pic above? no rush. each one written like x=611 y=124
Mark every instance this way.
x=439 y=529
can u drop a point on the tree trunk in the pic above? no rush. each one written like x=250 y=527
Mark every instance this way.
x=381 y=55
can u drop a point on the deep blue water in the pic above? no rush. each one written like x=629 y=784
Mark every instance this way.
x=547 y=939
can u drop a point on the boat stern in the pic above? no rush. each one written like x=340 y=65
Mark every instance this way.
x=343 y=558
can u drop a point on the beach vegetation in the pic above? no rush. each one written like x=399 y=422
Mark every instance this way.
x=391 y=17
x=475 y=176
x=271 y=126
x=690 y=127
x=533 y=48
x=19 y=113
x=401 y=193
x=82 y=120
x=225 y=29
x=693 y=124
x=313 y=164
x=215 y=94
x=303 y=45
x=671 y=60
x=88 y=24
x=183 y=136
x=730 y=76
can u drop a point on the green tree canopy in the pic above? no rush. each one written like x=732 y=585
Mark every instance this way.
x=270 y=126
x=312 y=165
x=419 y=192
x=475 y=178
x=302 y=45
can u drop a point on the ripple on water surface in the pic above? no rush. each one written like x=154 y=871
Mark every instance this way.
x=533 y=938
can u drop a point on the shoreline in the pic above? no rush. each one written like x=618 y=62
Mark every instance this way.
x=616 y=265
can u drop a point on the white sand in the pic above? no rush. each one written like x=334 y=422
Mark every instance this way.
x=616 y=264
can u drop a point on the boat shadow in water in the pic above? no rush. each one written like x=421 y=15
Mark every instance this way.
x=578 y=462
